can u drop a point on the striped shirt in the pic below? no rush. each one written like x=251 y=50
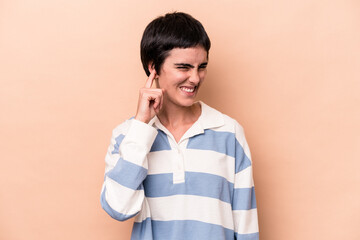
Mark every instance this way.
x=199 y=188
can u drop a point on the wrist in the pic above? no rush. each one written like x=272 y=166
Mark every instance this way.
x=142 y=119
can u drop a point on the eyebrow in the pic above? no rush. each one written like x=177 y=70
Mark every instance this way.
x=189 y=65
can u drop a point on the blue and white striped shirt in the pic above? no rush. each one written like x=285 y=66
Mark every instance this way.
x=199 y=188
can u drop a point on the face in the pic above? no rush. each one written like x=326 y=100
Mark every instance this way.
x=181 y=75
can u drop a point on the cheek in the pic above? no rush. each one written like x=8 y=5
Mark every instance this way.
x=169 y=77
x=177 y=77
x=202 y=75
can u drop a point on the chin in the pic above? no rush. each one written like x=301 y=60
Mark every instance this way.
x=186 y=103
x=182 y=101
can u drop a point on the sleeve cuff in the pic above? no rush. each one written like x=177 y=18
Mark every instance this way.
x=141 y=133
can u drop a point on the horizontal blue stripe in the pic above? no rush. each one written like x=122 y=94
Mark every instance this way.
x=241 y=160
x=180 y=230
x=142 y=230
x=128 y=174
x=244 y=199
x=250 y=236
x=161 y=142
x=222 y=142
x=118 y=141
x=114 y=214
x=200 y=184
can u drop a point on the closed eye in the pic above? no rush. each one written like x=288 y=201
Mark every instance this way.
x=183 y=66
x=189 y=66
x=203 y=66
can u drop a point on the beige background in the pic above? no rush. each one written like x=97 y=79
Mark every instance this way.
x=288 y=71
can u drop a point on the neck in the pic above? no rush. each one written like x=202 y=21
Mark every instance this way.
x=173 y=116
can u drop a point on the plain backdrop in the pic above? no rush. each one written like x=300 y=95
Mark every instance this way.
x=288 y=71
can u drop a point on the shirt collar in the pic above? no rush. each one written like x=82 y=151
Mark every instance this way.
x=209 y=118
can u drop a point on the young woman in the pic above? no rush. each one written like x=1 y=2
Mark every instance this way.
x=181 y=167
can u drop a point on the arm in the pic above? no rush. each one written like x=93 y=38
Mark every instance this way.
x=244 y=202
x=122 y=194
x=126 y=168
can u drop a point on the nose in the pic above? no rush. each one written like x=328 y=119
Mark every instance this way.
x=195 y=77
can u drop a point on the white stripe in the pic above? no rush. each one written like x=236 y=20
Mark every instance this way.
x=144 y=213
x=160 y=162
x=210 y=162
x=122 y=199
x=137 y=143
x=195 y=161
x=134 y=153
x=240 y=136
x=246 y=221
x=111 y=160
x=121 y=129
x=188 y=207
x=244 y=179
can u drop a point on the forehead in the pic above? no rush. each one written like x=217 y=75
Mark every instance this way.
x=194 y=55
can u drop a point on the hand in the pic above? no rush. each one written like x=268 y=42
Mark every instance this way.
x=150 y=100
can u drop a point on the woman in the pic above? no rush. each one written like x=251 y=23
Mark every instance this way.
x=181 y=167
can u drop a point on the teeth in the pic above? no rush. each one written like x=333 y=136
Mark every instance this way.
x=188 y=89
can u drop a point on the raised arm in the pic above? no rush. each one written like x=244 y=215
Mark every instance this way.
x=122 y=193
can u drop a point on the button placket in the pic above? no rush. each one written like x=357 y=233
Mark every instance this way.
x=178 y=169
x=178 y=164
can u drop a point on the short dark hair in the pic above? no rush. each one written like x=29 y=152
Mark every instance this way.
x=174 y=30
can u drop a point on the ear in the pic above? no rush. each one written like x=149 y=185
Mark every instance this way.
x=151 y=66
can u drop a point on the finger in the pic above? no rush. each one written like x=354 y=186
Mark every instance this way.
x=152 y=97
x=150 y=79
x=156 y=102
x=159 y=104
x=161 y=98
x=150 y=92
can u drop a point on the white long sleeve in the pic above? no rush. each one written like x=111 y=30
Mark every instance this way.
x=126 y=168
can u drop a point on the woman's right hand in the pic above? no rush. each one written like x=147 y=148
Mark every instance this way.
x=150 y=100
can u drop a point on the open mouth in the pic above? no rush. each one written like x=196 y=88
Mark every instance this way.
x=188 y=89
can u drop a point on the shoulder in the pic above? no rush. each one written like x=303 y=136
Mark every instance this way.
x=219 y=121
x=232 y=126
x=122 y=128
